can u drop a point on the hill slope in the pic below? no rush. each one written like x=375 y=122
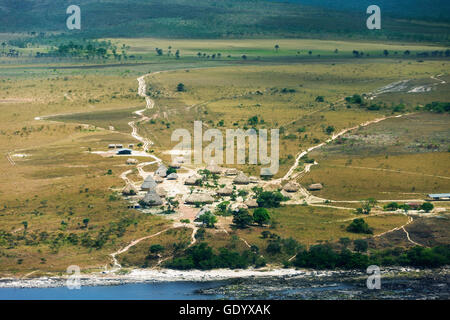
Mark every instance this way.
x=212 y=19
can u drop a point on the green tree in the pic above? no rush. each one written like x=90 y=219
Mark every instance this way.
x=261 y=216
x=361 y=245
x=242 y=219
x=427 y=206
x=86 y=222
x=181 y=87
x=208 y=219
x=268 y=199
x=277 y=47
x=359 y=226
x=156 y=248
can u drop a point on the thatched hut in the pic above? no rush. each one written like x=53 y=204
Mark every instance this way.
x=291 y=187
x=161 y=192
x=193 y=180
x=237 y=206
x=251 y=203
x=315 y=187
x=227 y=191
x=254 y=179
x=158 y=179
x=241 y=179
x=149 y=184
x=199 y=198
x=161 y=171
x=231 y=172
x=152 y=199
x=132 y=161
x=175 y=165
x=129 y=190
x=286 y=194
x=272 y=187
x=214 y=169
x=172 y=176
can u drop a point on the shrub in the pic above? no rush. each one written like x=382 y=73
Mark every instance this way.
x=359 y=226
x=268 y=199
x=242 y=219
x=261 y=216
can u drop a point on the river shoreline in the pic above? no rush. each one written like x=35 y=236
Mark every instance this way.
x=168 y=275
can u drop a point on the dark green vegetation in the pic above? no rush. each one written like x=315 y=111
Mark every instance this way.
x=224 y=19
x=203 y=257
x=325 y=257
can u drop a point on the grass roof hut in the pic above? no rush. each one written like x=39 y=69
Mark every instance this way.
x=149 y=184
x=231 y=172
x=193 y=180
x=161 y=171
x=129 y=190
x=158 y=179
x=291 y=187
x=241 y=179
x=214 y=169
x=172 y=176
x=315 y=187
x=195 y=198
x=227 y=191
x=151 y=199
x=251 y=203
x=161 y=192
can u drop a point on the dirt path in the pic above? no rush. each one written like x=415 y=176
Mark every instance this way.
x=113 y=255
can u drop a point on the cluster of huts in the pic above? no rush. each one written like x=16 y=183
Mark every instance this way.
x=155 y=193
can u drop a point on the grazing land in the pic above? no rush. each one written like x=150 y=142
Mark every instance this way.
x=61 y=200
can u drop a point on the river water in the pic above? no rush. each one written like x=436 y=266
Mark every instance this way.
x=132 y=291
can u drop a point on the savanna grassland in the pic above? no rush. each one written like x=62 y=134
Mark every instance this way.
x=60 y=203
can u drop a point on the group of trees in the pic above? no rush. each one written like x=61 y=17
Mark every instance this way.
x=325 y=257
x=359 y=226
x=203 y=257
x=243 y=219
x=393 y=206
x=438 y=107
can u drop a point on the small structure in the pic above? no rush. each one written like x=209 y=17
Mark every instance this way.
x=214 y=169
x=161 y=192
x=129 y=190
x=272 y=187
x=119 y=146
x=158 y=179
x=414 y=205
x=439 y=196
x=241 y=179
x=231 y=172
x=149 y=184
x=124 y=151
x=254 y=179
x=235 y=207
x=172 y=176
x=152 y=199
x=195 y=198
x=161 y=171
x=111 y=146
x=193 y=180
x=251 y=203
x=132 y=161
x=131 y=146
x=315 y=187
x=175 y=165
x=291 y=187
x=286 y=194
x=227 y=191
